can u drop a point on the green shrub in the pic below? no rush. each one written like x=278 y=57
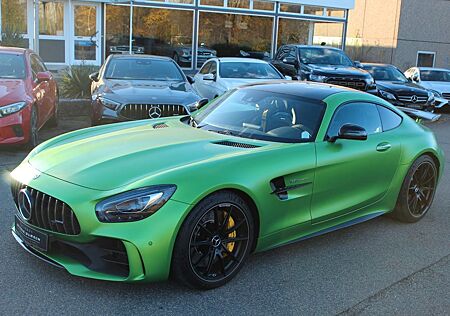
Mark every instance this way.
x=75 y=82
x=11 y=38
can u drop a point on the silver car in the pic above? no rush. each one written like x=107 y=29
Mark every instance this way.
x=218 y=75
x=437 y=80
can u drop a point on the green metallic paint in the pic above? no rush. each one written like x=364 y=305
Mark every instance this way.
x=335 y=183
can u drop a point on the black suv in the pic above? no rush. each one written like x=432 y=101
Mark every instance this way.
x=322 y=64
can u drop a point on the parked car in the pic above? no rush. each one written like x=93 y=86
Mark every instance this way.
x=435 y=79
x=263 y=166
x=219 y=75
x=322 y=64
x=394 y=87
x=28 y=97
x=134 y=87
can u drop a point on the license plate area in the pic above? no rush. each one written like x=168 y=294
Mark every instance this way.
x=31 y=236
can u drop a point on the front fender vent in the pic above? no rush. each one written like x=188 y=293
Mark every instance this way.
x=236 y=144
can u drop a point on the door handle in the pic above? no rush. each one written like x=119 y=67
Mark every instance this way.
x=383 y=146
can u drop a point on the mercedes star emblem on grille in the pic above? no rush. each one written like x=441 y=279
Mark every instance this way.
x=154 y=112
x=25 y=204
x=414 y=99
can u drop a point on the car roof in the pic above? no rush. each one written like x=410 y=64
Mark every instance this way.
x=313 y=46
x=239 y=59
x=14 y=50
x=432 y=68
x=305 y=89
x=377 y=65
x=140 y=56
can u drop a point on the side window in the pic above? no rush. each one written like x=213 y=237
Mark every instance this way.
x=292 y=52
x=280 y=53
x=363 y=114
x=213 y=69
x=389 y=119
x=205 y=68
x=36 y=65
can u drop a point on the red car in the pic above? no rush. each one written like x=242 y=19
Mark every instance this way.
x=28 y=96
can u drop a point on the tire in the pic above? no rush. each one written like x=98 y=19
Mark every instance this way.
x=213 y=242
x=176 y=58
x=33 y=139
x=53 y=121
x=417 y=191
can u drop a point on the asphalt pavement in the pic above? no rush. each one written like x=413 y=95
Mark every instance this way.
x=380 y=267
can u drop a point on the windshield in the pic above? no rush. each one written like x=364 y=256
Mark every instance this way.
x=324 y=56
x=12 y=66
x=248 y=70
x=264 y=115
x=143 y=69
x=385 y=73
x=435 y=75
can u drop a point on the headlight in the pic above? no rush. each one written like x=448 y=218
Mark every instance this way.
x=317 y=78
x=134 y=205
x=213 y=52
x=430 y=97
x=12 y=108
x=388 y=95
x=437 y=94
x=110 y=104
x=186 y=52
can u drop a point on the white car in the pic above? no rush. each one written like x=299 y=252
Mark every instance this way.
x=437 y=80
x=218 y=75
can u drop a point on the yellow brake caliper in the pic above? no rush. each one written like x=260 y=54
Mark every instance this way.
x=230 y=245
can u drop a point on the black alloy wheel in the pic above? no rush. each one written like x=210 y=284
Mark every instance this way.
x=418 y=190
x=214 y=241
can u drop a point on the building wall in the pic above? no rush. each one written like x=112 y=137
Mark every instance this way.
x=372 y=30
x=424 y=26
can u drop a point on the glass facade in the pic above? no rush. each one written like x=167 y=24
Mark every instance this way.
x=233 y=35
x=189 y=31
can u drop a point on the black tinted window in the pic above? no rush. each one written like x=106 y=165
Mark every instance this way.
x=362 y=114
x=143 y=69
x=389 y=119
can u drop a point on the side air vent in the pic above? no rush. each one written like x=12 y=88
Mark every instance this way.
x=236 y=144
x=160 y=125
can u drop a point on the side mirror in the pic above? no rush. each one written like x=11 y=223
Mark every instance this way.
x=288 y=77
x=190 y=79
x=198 y=105
x=43 y=77
x=210 y=77
x=290 y=61
x=358 y=64
x=415 y=78
x=94 y=76
x=351 y=132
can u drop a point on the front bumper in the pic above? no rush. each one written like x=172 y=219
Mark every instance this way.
x=142 y=250
x=14 y=128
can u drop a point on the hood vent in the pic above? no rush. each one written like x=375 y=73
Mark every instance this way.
x=236 y=144
x=160 y=125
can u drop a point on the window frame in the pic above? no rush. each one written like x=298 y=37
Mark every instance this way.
x=425 y=53
x=381 y=119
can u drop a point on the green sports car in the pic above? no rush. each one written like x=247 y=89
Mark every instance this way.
x=191 y=197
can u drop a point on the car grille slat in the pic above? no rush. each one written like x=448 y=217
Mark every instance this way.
x=141 y=111
x=446 y=95
x=357 y=84
x=48 y=212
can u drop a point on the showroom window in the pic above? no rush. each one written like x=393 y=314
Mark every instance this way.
x=312 y=10
x=52 y=44
x=153 y=35
x=263 y=5
x=425 y=59
x=292 y=31
x=290 y=8
x=233 y=35
x=216 y=3
x=14 y=22
x=242 y=4
x=117 y=30
x=328 y=34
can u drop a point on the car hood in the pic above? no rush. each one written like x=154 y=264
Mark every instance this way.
x=113 y=156
x=338 y=70
x=12 y=90
x=407 y=88
x=142 y=91
x=439 y=86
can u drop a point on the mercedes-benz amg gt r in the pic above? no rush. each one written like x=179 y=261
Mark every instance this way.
x=192 y=196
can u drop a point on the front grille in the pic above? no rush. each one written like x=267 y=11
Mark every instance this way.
x=349 y=83
x=146 y=111
x=446 y=95
x=48 y=212
x=410 y=99
x=235 y=144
